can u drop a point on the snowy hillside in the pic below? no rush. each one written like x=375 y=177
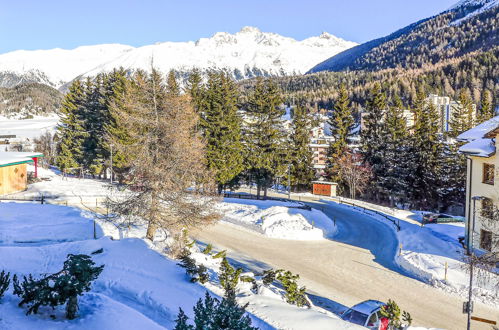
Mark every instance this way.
x=247 y=53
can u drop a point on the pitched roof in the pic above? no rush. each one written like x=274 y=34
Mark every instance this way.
x=12 y=158
x=480 y=139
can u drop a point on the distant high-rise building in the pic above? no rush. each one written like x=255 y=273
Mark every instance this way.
x=446 y=108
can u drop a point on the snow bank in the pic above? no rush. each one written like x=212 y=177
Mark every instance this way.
x=277 y=219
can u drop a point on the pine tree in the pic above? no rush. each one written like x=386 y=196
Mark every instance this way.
x=172 y=87
x=70 y=131
x=487 y=110
x=181 y=321
x=93 y=124
x=426 y=150
x=195 y=89
x=452 y=176
x=113 y=96
x=229 y=278
x=221 y=128
x=165 y=158
x=393 y=180
x=462 y=115
x=342 y=123
x=373 y=143
x=264 y=135
x=60 y=288
x=301 y=171
x=4 y=283
x=213 y=314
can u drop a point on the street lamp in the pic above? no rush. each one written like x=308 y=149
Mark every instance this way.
x=111 y=161
x=471 y=252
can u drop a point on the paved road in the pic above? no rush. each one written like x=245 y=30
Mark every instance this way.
x=355 y=266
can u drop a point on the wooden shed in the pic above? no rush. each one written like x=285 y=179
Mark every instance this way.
x=13 y=170
x=324 y=188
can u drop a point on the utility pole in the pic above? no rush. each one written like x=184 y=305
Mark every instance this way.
x=471 y=252
x=289 y=181
x=111 y=163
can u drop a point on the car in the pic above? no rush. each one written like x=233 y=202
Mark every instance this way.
x=440 y=218
x=366 y=314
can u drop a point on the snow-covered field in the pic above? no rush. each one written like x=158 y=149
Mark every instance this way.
x=28 y=128
x=425 y=252
x=277 y=219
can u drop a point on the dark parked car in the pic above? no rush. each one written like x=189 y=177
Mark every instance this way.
x=440 y=218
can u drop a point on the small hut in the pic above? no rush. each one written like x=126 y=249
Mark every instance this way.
x=13 y=170
x=324 y=188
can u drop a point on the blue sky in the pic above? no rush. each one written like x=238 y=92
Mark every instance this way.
x=44 y=24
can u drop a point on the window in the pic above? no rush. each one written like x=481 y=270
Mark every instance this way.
x=487 y=210
x=485 y=240
x=488 y=174
x=372 y=320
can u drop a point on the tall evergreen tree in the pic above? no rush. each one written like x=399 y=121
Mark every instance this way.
x=341 y=123
x=462 y=115
x=195 y=88
x=165 y=159
x=426 y=150
x=392 y=181
x=301 y=171
x=264 y=135
x=452 y=175
x=113 y=94
x=173 y=89
x=487 y=110
x=70 y=131
x=373 y=144
x=221 y=127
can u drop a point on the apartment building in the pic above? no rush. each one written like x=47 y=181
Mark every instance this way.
x=482 y=186
x=446 y=108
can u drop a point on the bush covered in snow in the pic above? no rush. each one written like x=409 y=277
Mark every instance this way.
x=4 y=282
x=197 y=273
x=60 y=288
x=229 y=277
x=214 y=314
x=295 y=295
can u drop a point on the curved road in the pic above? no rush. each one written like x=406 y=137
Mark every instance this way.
x=356 y=265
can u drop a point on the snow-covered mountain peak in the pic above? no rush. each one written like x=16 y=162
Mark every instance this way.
x=250 y=29
x=325 y=35
x=475 y=3
x=247 y=53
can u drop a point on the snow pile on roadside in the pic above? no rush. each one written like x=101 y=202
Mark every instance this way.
x=276 y=219
x=425 y=252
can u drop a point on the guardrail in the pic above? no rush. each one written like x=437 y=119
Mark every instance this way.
x=255 y=197
x=395 y=221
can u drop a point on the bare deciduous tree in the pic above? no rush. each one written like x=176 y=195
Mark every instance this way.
x=46 y=145
x=354 y=172
x=168 y=184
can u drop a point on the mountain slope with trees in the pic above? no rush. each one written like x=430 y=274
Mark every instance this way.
x=468 y=27
x=29 y=99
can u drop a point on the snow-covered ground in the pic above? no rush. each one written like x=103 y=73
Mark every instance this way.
x=426 y=251
x=140 y=288
x=277 y=219
x=28 y=128
x=139 y=280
